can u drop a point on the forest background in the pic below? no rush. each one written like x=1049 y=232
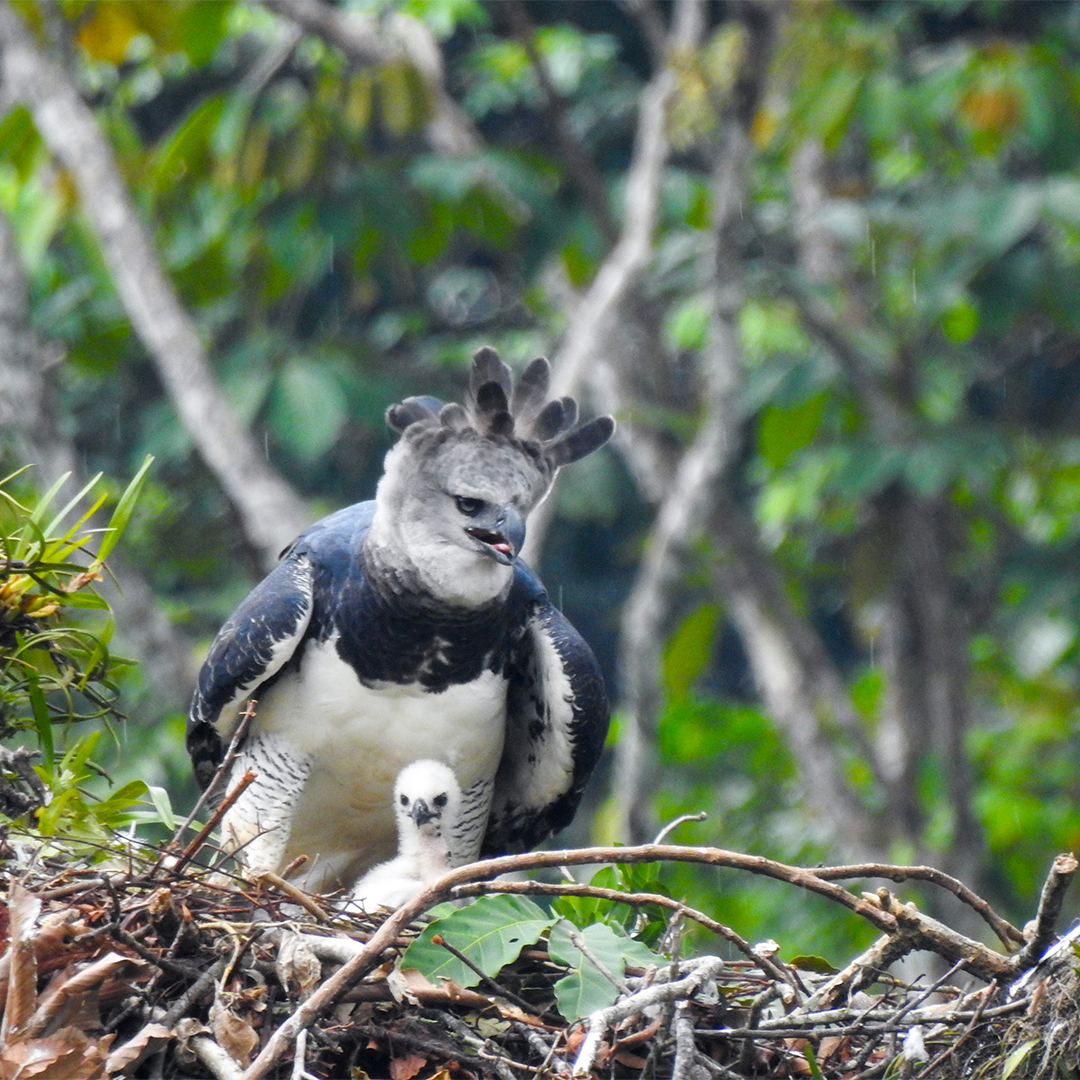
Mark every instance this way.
x=822 y=262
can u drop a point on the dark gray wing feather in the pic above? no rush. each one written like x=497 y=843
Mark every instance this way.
x=557 y=721
x=253 y=645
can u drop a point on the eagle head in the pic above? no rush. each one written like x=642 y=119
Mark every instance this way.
x=459 y=485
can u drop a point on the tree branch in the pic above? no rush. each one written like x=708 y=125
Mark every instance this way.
x=918 y=931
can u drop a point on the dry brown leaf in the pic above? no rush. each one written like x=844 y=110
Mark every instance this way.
x=66 y=1055
x=297 y=965
x=406 y=983
x=54 y=946
x=22 y=972
x=405 y=1068
x=71 y=998
x=186 y=1030
x=145 y=1041
x=829 y=1045
x=233 y=1033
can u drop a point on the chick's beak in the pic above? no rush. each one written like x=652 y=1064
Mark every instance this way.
x=421 y=813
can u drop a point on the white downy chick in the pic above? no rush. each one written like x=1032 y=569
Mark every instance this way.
x=427 y=806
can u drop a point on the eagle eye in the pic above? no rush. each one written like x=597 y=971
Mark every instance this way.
x=440 y=800
x=469 y=507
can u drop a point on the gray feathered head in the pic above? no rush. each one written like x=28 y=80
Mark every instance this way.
x=463 y=477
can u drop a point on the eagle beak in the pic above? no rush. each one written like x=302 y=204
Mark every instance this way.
x=503 y=536
x=421 y=813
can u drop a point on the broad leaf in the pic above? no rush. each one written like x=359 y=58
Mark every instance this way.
x=586 y=989
x=490 y=932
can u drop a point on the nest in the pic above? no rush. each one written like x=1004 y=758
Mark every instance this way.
x=165 y=969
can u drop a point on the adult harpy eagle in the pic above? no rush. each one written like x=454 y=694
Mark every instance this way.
x=406 y=628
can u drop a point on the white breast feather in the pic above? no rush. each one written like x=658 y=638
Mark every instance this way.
x=541 y=781
x=358 y=739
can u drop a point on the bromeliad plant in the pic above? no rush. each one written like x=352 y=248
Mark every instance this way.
x=56 y=668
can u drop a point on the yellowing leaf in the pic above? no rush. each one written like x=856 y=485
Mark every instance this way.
x=108 y=32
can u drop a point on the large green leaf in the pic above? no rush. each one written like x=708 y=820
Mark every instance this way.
x=586 y=989
x=490 y=932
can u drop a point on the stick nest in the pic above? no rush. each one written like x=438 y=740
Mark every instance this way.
x=146 y=971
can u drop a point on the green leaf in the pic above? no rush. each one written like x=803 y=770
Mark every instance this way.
x=42 y=723
x=308 y=409
x=586 y=989
x=122 y=514
x=817 y=964
x=781 y=432
x=163 y=805
x=490 y=932
x=689 y=650
x=1017 y=1058
x=120 y=800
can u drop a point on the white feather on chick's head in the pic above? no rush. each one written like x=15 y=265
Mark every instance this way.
x=427 y=806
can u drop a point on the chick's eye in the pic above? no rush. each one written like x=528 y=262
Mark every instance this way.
x=404 y=800
x=440 y=800
x=469 y=507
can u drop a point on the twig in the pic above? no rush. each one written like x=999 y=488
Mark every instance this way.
x=685 y=1047
x=598 y=1022
x=1053 y=895
x=200 y=837
x=579 y=943
x=548 y=1056
x=671 y=826
x=485 y=979
x=268 y=877
x=214 y=1058
x=300 y=1056
x=1008 y=934
x=931 y=1068
x=219 y=775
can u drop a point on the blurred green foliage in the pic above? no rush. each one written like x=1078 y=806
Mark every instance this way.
x=335 y=262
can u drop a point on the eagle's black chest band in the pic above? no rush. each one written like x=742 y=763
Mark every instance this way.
x=398 y=637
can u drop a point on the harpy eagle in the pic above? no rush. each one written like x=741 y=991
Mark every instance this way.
x=406 y=628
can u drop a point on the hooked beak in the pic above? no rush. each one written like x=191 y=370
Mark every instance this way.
x=421 y=813
x=503 y=536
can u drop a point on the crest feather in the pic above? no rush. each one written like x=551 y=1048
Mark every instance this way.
x=413 y=410
x=488 y=367
x=547 y=434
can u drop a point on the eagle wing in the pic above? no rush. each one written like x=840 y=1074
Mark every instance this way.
x=556 y=725
x=264 y=632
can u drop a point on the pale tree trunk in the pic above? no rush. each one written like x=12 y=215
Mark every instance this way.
x=270 y=512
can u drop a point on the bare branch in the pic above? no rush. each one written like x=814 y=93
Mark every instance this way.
x=1050 y=901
